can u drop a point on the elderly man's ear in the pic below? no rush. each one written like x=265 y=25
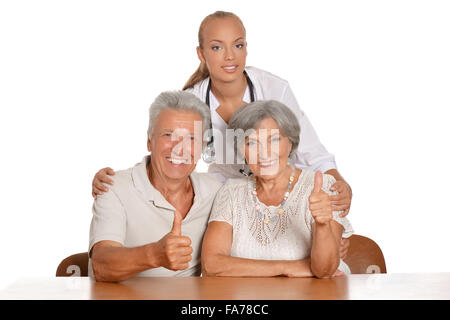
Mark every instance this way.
x=149 y=145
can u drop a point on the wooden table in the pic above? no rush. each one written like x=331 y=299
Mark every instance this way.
x=369 y=286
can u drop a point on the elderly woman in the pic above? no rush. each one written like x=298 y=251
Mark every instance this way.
x=278 y=220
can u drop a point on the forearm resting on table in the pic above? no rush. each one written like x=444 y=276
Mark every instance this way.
x=325 y=249
x=116 y=263
x=217 y=261
x=221 y=265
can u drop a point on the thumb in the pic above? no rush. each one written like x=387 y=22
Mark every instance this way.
x=177 y=220
x=338 y=273
x=318 y=181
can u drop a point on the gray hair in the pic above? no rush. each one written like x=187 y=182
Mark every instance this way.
x=178 y=100
x=249 y=116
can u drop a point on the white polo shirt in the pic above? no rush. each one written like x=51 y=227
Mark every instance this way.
x=134 y=214
x=311 y=154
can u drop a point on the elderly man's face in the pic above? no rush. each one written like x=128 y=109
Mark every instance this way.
x=176 y=143
x=267 y=150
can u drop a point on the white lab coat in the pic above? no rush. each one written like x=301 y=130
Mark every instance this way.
x=311 y=154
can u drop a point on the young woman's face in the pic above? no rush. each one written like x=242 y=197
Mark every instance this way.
x=224 y=49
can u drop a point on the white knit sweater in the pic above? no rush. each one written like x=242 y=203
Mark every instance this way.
x=287 y=238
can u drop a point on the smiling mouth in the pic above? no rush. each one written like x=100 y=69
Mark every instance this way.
x=230 y=68
x=177 y=161
x=265 y=164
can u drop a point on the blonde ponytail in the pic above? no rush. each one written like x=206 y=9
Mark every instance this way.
x=199 y=74
x=202 y=71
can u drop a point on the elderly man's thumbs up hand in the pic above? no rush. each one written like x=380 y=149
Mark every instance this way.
x=319 y=202
x=176 y=226
x=175 y=250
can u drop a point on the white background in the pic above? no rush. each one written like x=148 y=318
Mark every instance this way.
x=77 y=78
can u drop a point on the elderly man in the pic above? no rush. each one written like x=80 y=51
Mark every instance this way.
x=152 y=221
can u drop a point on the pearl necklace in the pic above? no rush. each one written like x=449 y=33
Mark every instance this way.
x=280 y=209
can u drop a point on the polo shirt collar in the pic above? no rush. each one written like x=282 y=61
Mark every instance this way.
x=150 y=193
x=144 y=186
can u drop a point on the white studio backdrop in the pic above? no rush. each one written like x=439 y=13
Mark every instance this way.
x=77 y=79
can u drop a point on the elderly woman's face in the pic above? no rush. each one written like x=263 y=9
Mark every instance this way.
x=176 y=144
x=267 y=150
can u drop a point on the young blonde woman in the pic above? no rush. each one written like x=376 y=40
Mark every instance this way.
x=226 y=84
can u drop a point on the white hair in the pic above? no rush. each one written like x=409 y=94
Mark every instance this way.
x=248 y=117
x=178 y=100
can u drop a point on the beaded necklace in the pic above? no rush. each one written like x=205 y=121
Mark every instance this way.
x=268 y=218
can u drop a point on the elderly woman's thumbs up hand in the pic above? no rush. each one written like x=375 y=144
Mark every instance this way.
x=319 y=202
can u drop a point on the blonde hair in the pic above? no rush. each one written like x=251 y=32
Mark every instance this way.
x=202 y=71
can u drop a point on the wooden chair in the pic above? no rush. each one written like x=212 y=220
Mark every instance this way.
x=76 y=265
x=364 y=256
